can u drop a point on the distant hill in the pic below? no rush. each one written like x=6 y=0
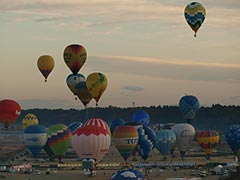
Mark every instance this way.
x=216 y=117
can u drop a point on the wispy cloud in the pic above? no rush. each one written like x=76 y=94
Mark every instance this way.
x=168 y=68
x=133 y=88
x=116 y=12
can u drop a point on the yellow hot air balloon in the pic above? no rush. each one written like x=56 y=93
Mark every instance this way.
x=96 y=84
x=29 y=119
x=45 y=65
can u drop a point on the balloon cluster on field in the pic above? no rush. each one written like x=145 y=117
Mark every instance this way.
x=130 y=138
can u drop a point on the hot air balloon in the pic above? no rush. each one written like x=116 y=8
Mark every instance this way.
x=184 y=135
x=125 y=139
x=96 y=84
x=75 y=56
x=189 y=106
x=83 y=93
x=73 y=80
x=28 y=120
x=59 y=139
x=232 y=136
x=195 y=14
x=115 y=123
x=165 y=139
x=9 y=112
x=74 y=126
x=146 y=142
x=207 y=140
x=91 y=142
x=128 y=174
x=35 y=137
x=45 y=65
x=141 y=117
x=98 y=122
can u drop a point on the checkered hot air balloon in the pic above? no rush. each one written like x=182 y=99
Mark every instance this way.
x=74 y=126
x=189 y=106
x=195 y=15
x=232 y=136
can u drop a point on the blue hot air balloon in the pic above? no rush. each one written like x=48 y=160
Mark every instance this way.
x=115 y=123
x=165 y=139
x=35 y=137
x=129 y=174
x=74 y=126
x=189 y=106
x=141 y=117
x=146 y=141
x=232 y=137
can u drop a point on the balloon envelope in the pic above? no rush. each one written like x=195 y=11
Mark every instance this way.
x=28 y=120
x=165 y=139
x=98 y=122
x=83 y=93
x=75 y=56
x=141 y=117
x=9 y=112
x=184 y=135
x=232 y=136
x=73 y=80
x=146 y=142
x=45 y=65
x=129 y=174
x=96 y=84
x=35 y=137
x=59 y=139
x=91 y=142
x=207 y=140
x=74 y=126
x=125 y=139
x=195 y=15
x=189 y=106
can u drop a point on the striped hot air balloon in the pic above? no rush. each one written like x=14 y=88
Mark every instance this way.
x=59 y=139
x=195 y=15
x=115 y=123
x=165 y=139
x=125 y=139
x=35 y=137
x=91 y=142
x=98 y=122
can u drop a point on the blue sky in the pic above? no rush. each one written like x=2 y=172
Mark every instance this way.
x=145 y=48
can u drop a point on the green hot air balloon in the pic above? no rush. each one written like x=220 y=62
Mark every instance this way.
x=59 y=139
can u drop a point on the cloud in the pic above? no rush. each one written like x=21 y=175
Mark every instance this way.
x=133 y=88
x=168 y=68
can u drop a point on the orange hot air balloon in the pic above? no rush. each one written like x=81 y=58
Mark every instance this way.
x=75 y=56
x=9 y=112
x=45 y=65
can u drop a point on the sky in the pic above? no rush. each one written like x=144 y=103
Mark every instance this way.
x=144 y=47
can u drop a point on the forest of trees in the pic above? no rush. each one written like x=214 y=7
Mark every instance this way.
x=216 y=117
